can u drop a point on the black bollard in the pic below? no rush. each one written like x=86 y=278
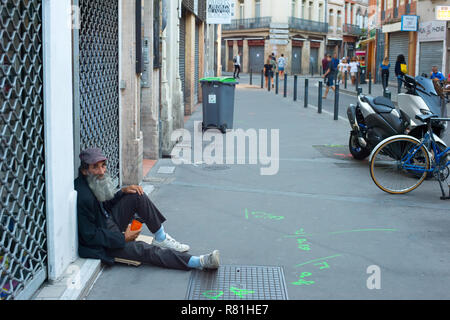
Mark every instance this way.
x=306 y=92
x=370 y=83
x=319 y=108
x=269 y=84
x=336 y=103
x=251 y=77
x=345 y=81
x=285 y=86
x=295 y=88
x=262 y=79
x=357 y=81
x=277 y=82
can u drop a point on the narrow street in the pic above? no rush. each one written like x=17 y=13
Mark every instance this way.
x=320 y=218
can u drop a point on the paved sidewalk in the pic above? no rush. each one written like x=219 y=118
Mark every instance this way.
x=331 y=222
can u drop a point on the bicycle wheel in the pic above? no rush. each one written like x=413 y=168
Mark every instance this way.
x=398 y=165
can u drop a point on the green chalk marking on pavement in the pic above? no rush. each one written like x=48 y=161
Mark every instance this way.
x=320 y=259
x=262 y=215
x=335 y=232
x=241 y=292
x=213 y=294
x=361 y=230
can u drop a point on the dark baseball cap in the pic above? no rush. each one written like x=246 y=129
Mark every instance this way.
x=92 y=156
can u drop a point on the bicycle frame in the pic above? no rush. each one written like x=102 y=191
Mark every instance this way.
x=437 y=155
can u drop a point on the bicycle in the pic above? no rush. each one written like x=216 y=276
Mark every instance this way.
x=399 y=164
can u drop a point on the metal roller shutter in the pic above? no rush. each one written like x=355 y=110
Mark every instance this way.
x=182 y=50
x=431 y=53
x=99 y=79
x=398 y=44
x=314 y=59
x=23 y=237
x=256 y=58
x=296 y=60
x=197 y=62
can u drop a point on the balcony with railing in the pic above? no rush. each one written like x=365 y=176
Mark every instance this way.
x=250 y=23
x=307 y=25
x=352 y=29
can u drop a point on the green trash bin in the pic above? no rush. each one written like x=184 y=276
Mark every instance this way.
x=218 y=102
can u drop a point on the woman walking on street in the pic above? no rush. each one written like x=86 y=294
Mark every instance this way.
x=384 y=70
x=399 y=73
x=268 y=72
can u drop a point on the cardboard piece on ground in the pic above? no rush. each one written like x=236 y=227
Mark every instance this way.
x=142 y=238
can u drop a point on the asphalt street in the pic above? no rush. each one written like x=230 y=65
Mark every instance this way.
x=320 y=217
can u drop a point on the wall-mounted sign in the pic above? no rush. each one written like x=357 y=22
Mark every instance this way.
x=443 y=13
x=409 y=23
x=219 y=11
x=432 y=31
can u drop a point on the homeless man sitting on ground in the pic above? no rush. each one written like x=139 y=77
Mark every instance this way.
x=104 y=218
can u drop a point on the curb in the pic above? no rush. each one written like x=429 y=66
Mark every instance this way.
x=74 y=284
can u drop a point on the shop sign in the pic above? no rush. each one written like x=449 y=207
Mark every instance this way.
x=409 y=23
x=432 y=31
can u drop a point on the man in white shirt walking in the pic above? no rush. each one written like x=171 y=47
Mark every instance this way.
x=281 y=66
x=237 y=65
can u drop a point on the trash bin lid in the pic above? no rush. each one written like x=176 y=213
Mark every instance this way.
x=224 y=80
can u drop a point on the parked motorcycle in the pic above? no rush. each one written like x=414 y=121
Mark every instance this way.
x=374 y=119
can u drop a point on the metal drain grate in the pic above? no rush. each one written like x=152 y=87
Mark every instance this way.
x=231 y=282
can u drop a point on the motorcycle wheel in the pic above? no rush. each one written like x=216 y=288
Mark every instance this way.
x=358 y=152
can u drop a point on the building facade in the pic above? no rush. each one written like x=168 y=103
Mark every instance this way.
x=396 y=41
x=432 y=40
x=297 y=29
x=355 y=24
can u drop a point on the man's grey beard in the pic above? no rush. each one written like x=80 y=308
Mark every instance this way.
x=103 y=189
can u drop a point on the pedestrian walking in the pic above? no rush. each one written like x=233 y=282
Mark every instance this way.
x=343 y=67
x=354 y=64
x=268 y=70
x=237 y=65
x=273 y=61
x=281 y=66
x=325 y=63
x=329 y=77
x=384 y=71
x=400 y=70
x=104 y=222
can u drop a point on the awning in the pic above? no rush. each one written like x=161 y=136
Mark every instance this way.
x=366 y=42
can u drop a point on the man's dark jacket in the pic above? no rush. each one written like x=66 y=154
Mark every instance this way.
x=94 y=238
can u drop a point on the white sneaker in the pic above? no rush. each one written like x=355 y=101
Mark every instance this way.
x=171 y=243
x=210 y=261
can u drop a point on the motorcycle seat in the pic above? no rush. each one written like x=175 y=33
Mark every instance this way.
x=381 y=104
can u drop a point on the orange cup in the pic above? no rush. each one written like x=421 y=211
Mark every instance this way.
x=136 y=225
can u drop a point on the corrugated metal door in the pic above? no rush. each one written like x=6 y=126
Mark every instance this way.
x=182 y=51
x=256 y=58
x=197 y=62
x=431 y=54
x=296 y=60
x=23 y=237
x=398 y=44
x=314 y=59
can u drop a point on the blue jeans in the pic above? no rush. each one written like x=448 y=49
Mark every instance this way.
x=400 y=82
